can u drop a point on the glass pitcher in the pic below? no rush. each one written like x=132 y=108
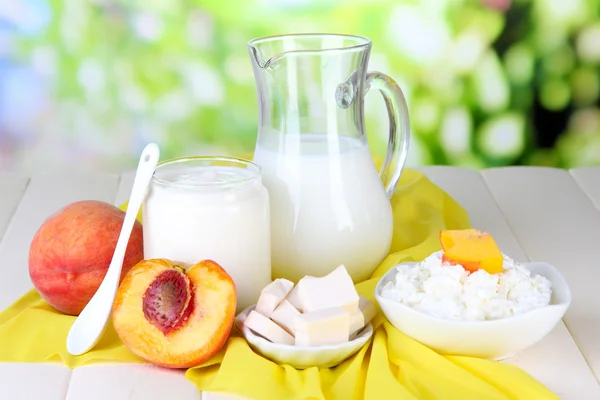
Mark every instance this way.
x=329 y=204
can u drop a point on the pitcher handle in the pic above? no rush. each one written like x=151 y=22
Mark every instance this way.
x=397 y=108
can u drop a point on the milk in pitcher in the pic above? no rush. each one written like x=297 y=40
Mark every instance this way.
x=328 y=206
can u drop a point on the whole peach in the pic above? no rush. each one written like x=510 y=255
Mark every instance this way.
x=71 y=251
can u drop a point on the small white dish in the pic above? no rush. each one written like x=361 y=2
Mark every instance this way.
x=301 y=357
x=493 y=339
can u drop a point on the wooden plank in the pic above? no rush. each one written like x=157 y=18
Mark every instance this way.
x=547 y=360
x=467 y=187
x=52 y=381
x=130 y=382
x=588 y=179
x=19 y=381
x=555 y=221
x=125 y=186
x=462 y=184
x=45 y=195
x=12 y=187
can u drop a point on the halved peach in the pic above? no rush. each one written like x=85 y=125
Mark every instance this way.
x=472 y=249
x=172 y=317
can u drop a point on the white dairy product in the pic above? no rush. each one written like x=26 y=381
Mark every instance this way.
x=332 y=290
x=323 y=327
x=211 y=208
x=284 y=316
x=272 y=295
x=267 y=328
x=450 y=292
x=363 y=315
x=293 y=296
x=328 y=206
x=357 y=321
x=331 y=311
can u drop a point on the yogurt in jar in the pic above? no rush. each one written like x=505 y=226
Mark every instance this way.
x=214 y=208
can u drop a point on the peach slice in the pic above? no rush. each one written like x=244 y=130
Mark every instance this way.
x=449 y=238
x=172 y=317
x=470 y=266
x=472 y=249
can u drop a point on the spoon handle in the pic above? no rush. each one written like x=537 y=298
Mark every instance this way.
x=91 y=323
x=144 y=173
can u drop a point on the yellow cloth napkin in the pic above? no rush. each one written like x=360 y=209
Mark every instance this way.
x=390 y=366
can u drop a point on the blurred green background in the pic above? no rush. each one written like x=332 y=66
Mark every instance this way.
x=488 y=82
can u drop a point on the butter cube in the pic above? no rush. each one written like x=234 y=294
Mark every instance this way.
x=268 y=329
x=272 y=295
x=293 y=296
x=333 y=290
x=361 y=317
x=357 y=321
x=284 y=315
x=322 y=327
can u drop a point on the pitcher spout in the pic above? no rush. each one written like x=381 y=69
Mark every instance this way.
x=264 y=53
x=257 y=58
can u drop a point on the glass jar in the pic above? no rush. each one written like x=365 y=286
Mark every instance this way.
x=215 y=208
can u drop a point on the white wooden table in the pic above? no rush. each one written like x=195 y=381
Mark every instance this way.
x=534 y=213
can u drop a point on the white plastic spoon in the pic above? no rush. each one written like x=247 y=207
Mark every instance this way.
x=91 y=323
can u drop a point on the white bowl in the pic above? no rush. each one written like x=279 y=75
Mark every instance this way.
x=301 y=357
x=492 y=339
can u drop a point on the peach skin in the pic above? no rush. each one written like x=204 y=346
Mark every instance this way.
x=72 y=250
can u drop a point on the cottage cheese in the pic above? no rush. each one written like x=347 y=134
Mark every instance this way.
x=451 y=292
